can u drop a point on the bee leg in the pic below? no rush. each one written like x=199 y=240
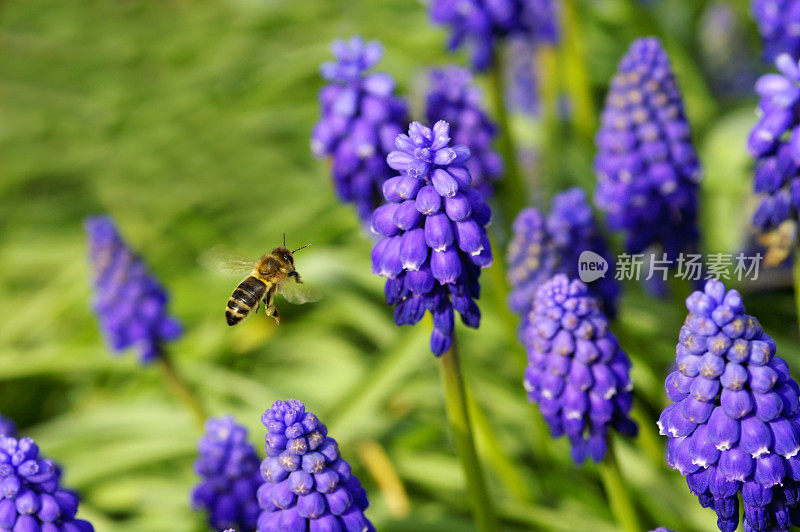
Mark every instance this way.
x=271 y=310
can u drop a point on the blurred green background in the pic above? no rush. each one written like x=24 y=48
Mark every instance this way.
x=188 y=122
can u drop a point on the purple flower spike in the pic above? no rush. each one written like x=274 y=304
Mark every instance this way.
x=7 y=428
x=522 y=77
x=434 y=233
x=481 y=24
x=647 y=168
x=662 y=529
x=775 y=144
x=779 y=24
x=229 y=473
x=576 y=371
x=33 y=499
x=307 y=484
x=454 y=98
x=542 y=247
x=360 y=118
x=734 y=425
x=129 y=302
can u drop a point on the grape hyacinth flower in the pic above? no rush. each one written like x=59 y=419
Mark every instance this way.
x=647 y=168
x=480 y=24
x=779 y=24
x=434 y=233
x=522 y=93
x=360 y=118
x=307 y=485
x=229 y=470
x=454 y=98
x=734 y=424
x=662 y=529
x=129 y=302
x=541 y=247
x=33 y=499
x=577 y=372
x=726 y=50
x=775 y=143
x=7 y=428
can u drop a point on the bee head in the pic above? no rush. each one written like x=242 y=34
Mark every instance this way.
x=283 y=254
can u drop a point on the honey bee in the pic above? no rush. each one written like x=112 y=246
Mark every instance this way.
x=267 y=276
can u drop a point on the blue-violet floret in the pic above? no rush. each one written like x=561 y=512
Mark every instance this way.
x=433 y=226
x=734 y=422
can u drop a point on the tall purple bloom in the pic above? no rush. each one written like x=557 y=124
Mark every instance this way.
x=646 y=165
x=576 y=371
x=229 y=473
x=454 y=98
x=734 y=424
x=308 y=485
x=480 y=24
x=779 y=24
x=7 y=428
x=726 y=50
x=129 y=302
x=32 y=498
x=434 y=233
x=360 y=117
x=775 y=143
x=541 y=247
x=522 y=93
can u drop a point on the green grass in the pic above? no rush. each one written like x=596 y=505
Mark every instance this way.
x=189 y=123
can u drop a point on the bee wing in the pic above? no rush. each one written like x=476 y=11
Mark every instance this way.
x=219 y=259
x=299 y=293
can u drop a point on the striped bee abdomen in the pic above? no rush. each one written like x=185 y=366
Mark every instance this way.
x=244 y=299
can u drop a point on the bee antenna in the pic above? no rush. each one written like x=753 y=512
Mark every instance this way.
x=301 y=247
x=284 y=239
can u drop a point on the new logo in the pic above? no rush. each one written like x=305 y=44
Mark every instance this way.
x=591 y=266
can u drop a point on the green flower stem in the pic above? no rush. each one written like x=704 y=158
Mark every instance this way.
x=617 y=492
x=457 y=412
x=574 y=75
x=512 y=190
x=182 y=391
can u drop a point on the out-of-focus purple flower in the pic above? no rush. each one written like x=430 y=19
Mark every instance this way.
x=646 y=165
x=727 y=53
x=779 y=24
x=481 y=24
x=359 y=120
x=307 y=485
x=775 y=144
x=577 y=372
x=434 y=233
x=129 y=302
x=522 y=93
x=32 y=498
x=542 y=247
x=229 y=476
x=7 y=428
x=734 y=424
x=662 y=529
x=454 y=98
